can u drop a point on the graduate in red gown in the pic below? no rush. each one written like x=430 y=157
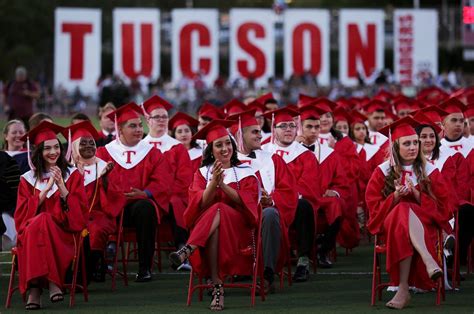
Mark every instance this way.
x=375 y=112
x=156 y=111
x=408 y=204
x=50 y=212
x=279 y=197
x=141 y=173
x=104 y=198
x=183 y=127
x=222 y=213
x=303 y=165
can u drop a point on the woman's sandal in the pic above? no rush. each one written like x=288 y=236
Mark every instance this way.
x=217 y=294
x=435 y=274
x=177 y=258
x=56 y=297
x=32 y=306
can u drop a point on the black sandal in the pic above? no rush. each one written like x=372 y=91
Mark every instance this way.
x=57 y=297
x=31 y=306
x=175 y=257
x=216 y=295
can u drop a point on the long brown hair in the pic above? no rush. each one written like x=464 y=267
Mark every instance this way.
x=395 y=171
x=39 y=163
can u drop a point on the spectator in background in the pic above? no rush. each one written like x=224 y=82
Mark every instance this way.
x=79 y=117
x=37 y=118
x=13 y=145
x=107 y=126
x=20 y=95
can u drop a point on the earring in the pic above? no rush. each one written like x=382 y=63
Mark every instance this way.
x=212 y=156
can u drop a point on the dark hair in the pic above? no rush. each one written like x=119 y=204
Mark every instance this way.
x=37 y=118
x=435 y=154
x=80 y=116
x=336 y=133
x=351 y=133
x=193 y=143
x=206 y=118
x=39 y=163
x=208 y=157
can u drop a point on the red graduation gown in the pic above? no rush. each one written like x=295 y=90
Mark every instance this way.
x=140 y=167
x=180 y=169
x=46 y=233
x=195 y=154
x=237 y=222
x=392 y=222
x=104 y=205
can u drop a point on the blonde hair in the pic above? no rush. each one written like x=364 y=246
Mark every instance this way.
x=108 y=106
x=6 y=129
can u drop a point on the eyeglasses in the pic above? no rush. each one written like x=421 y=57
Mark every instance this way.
x=285 y=126
x=156 y=118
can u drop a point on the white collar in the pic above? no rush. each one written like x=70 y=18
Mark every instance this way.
x=40 y=185
x=195 y=153
x=288 y=153
x=164 y=143
x=231 y=175
x=128 y=157
x=463 y=145
x=429 y=168
x=93 y=171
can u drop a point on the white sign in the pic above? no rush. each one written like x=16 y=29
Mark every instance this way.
x=77 y=49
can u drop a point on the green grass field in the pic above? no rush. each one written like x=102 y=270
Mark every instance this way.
x=342 y=289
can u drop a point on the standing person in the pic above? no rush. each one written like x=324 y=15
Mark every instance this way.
x=13 y=132
x=179 y=163
x=51 y=209
x=20 y=95
x=141 y=173
x=222 y=213
x=302 y=164
x=279 y=197
x=107 y=127
x=104 y=200
x=408 y=204
x=183 y=127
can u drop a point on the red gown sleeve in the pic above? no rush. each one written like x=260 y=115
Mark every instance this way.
x=26 y=205
x=75 y=217
x=196 y=189
x=158 y=179
x=284 y=196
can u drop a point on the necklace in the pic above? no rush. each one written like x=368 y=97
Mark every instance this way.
x=235 y=176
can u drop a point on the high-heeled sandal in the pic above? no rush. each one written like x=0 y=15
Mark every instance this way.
x=217 y=294
x=32 y=306
x=435 y=273
x=177 y=258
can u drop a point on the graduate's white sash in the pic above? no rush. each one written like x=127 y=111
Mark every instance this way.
x=407 y=171
x=195 y=153
x=377 y=138
x=463 y=145
x=263 y=163
x=241 y=171
x=289 y=153
x=164 y=143
x=128 y=157
x=93 y=172
x=40 y=184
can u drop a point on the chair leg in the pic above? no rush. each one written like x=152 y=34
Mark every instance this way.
x=72 y=292
x=190 y=288
x=374 y=279
x=11 y=282
x=85 y=290
x=124 y=265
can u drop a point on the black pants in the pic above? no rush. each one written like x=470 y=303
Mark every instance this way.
x=466 y=230
x=327 y=241
x=141 y=215
x=304 y=227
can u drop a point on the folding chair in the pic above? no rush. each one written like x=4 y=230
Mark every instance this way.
x=78 y=258
x=257 y=270
x=380 y=249
x=118 y=238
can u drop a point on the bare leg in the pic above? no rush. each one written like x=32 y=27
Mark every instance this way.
x=34 y=296
x=55 y=293
x=212 y=255
x=417 y=237
x=402 y=297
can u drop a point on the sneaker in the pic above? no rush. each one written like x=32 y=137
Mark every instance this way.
x=185 y=266
x=323 y=261
x=143 y=276
x=449 y=242
x=301 y=274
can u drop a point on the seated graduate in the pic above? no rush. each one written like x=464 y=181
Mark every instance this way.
x=50 y=211
x=222 y=212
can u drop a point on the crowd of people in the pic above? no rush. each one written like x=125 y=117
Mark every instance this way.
x=310 y=175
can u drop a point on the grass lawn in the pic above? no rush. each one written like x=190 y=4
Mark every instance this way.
x=342 y=289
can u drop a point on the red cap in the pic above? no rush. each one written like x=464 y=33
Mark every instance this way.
x=403 y=127
x=345 y=103
x=341 y=114
x=247 y=118
x=213 y=130
x=155 y=102
x=309 y=112
x=357 y=117
x=81 y=129
x=433 y=113
x=258 y=106
x=432 y=93
x=45 y=131
x=305 y=99
x=469 y=112
x=423 y=119
x=375 y=105
x=324 y=105
x=180 y=118
x=126 y=112
x=453 y=105
x=281 y=115
x=389 y=114
x=383 y=95
x=210 y=111
x=403 y=104
x=266 y=98
x=234 y=106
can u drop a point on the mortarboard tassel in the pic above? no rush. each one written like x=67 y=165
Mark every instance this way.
x=30 y=162
x=240 y=137
x=116 y=130
x=272 y=140
x=69 y=146
x=390 y=148
x=300 y=127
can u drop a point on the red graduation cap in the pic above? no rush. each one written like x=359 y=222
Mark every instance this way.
x=266 y=98
x=356 y=117
x=125 y=113
x=421 y=118
x=432 y=93
x=213 y=130
x=324 y=105
x=281 y=115
x=309 y=112
x=44 y=131
x=234 y=106
x=258 y=106
x=375 y=105
x=155 y=102
x=389 y=114
x=383 y=95
x=242 y=120
x=305 y=99
x=403 y=127
x=345 y=103
x=434 y=113
x=341 y=114
x=453 y=105
x=402 y=104
x=469 y=112
x=180 y=118
x=210 y=111
x=81 y=129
